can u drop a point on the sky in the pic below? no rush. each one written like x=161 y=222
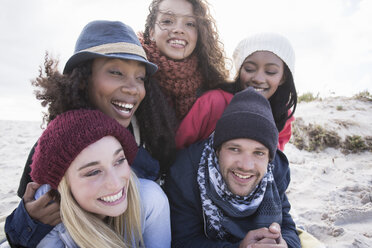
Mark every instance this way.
x=332 y=40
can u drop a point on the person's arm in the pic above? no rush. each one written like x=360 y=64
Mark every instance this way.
x=155 y=219
x=201 y=120
x=26 y=178
x=24 y=229
x=288 y=227
x=286 y=133
x=187 y=220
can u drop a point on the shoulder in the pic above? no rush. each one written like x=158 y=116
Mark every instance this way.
x=281 y=168
x=149 y=190
x=216 y=96
x=182 y=174
x=187 y=159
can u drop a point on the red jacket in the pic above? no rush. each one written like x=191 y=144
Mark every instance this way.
x=201 y=120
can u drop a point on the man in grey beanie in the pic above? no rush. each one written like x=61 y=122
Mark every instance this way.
x=229 y=190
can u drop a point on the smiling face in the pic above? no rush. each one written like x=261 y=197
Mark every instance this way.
x=243 y=163
x=117 y=87
x=99 y=178
x=175 y=31
x=264 y=71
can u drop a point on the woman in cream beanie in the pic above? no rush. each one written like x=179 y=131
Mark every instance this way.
x=266 y=61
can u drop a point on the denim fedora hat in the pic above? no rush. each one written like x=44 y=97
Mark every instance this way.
x=110 y=39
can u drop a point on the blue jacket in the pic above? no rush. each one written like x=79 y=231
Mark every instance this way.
x=187 y=217
x=22 y=231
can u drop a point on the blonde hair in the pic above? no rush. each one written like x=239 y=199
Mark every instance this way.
x=87 y=230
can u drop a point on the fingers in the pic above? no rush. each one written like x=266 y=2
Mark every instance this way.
x=262 y=233
x=256 y=245
x=51 y=215
x=44 y=209
x=274 y=228
x=30 y=191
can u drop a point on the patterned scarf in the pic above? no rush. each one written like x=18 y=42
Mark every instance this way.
x=179 y=79
x=217 y=200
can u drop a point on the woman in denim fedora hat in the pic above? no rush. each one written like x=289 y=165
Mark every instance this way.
x=108 y=71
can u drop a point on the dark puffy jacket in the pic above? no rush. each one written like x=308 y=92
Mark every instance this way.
x=188 y=220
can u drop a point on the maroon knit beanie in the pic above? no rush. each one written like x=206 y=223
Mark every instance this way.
x=70 y=133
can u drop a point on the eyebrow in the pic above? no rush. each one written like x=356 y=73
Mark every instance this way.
x=260 y=148
x=97 y=162
x=168 y=12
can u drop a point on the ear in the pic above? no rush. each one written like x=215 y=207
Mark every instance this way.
x=218 y=152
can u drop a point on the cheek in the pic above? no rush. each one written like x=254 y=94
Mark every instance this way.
x=244 y=78
x=276 y=82
x=126 y=173
x=158 y=33
x=96 y=89
x=194 y=35
x=81 y=192
x=262 y=166
x=142 y=92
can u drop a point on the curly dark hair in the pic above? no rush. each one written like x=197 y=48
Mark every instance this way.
x=284 y=98
x=209 y=49
x=156 y=119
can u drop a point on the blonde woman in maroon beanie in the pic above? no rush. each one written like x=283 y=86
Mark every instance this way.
x=109 y=72
x=100 y=202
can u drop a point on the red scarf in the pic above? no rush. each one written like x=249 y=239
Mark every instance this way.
x=178 y=79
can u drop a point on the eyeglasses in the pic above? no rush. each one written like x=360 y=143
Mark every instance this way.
x=168 y=21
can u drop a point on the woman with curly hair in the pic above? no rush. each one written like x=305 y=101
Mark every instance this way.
x=108 y=72
x=181 y=38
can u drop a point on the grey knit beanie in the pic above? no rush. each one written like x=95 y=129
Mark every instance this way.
x=247 y=116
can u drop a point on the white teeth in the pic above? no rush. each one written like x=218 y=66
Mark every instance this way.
x=241 y=176
x=112 y=198
x=178 y=42
x=123 y=105
x=258 y=89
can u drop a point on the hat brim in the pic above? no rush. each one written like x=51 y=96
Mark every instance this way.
x=80 y=57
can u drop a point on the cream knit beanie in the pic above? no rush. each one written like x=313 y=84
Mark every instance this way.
x=272 y=42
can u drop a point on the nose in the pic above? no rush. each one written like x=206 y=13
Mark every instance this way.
x=130 y=87
x=246 y=162
x=178 y=27
x=112 y=180
x=259 y=77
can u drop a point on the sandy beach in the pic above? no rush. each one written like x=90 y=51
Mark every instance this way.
x=330 y=191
